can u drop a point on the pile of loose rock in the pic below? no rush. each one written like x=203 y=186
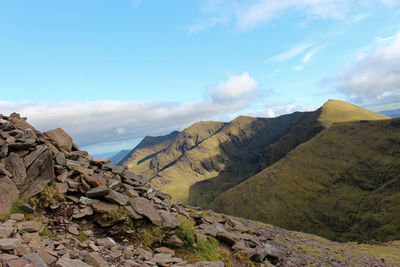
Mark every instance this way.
x=74 y=211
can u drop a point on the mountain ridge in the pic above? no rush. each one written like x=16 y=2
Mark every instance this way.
x=207 y=169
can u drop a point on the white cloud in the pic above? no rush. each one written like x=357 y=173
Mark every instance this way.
x=113 y=121
x=247 y=15
x=278 y=108
x=120 y=130
x=372 y=78
x=290 y=53
x=237 y=88
x=298 y=68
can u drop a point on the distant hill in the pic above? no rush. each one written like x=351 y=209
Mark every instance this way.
x=394 y=113
x=117 y=157
x=208 y=158
x=343 y=184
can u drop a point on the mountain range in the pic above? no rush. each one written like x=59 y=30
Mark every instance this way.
x=320 y=172
x=61 y=207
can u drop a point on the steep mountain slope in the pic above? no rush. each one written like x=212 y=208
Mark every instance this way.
x=196 y=169
x=343 y=184
x=205 y=149
x=148 y=148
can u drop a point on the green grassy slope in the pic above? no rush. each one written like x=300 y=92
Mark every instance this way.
x=343 y=184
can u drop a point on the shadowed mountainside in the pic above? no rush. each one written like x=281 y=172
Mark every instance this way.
x=343 y=184
x=148 y=148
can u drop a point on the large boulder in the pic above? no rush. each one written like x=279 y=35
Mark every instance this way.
x=61 y=138
x=8 y=193
x=146 y=208
x=39 y=174
x=19 y=122
x=15 y=165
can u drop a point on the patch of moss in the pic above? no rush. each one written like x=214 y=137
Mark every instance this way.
x=143 y=231
x=186 y=232
x=16 y=207
x=46 y=232
x=122 y=213
x=49 y=196
x=82 y=237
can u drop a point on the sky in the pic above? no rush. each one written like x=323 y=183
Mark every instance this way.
x=110 y=72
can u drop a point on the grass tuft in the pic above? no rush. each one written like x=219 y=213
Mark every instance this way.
x=186 y=232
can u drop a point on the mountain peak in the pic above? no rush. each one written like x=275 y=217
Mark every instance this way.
x=341 y=111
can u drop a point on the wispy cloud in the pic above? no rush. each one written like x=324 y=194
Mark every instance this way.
x=274 y=73
x=205 y=23
x=311 y=53
x=290 y=53
x=383 y=40
x=247 y=15
x=113 y=121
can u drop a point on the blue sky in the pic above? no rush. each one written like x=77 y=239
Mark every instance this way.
x=112 y=71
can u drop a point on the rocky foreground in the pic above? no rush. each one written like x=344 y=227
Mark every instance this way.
x=61 y=207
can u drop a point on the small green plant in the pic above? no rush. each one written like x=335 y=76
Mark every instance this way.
x=82 y=237
x=250 y=232
x=33 y=201
x=16 y=206
x=186 y=232
x=122 y=213
x=46 y=232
